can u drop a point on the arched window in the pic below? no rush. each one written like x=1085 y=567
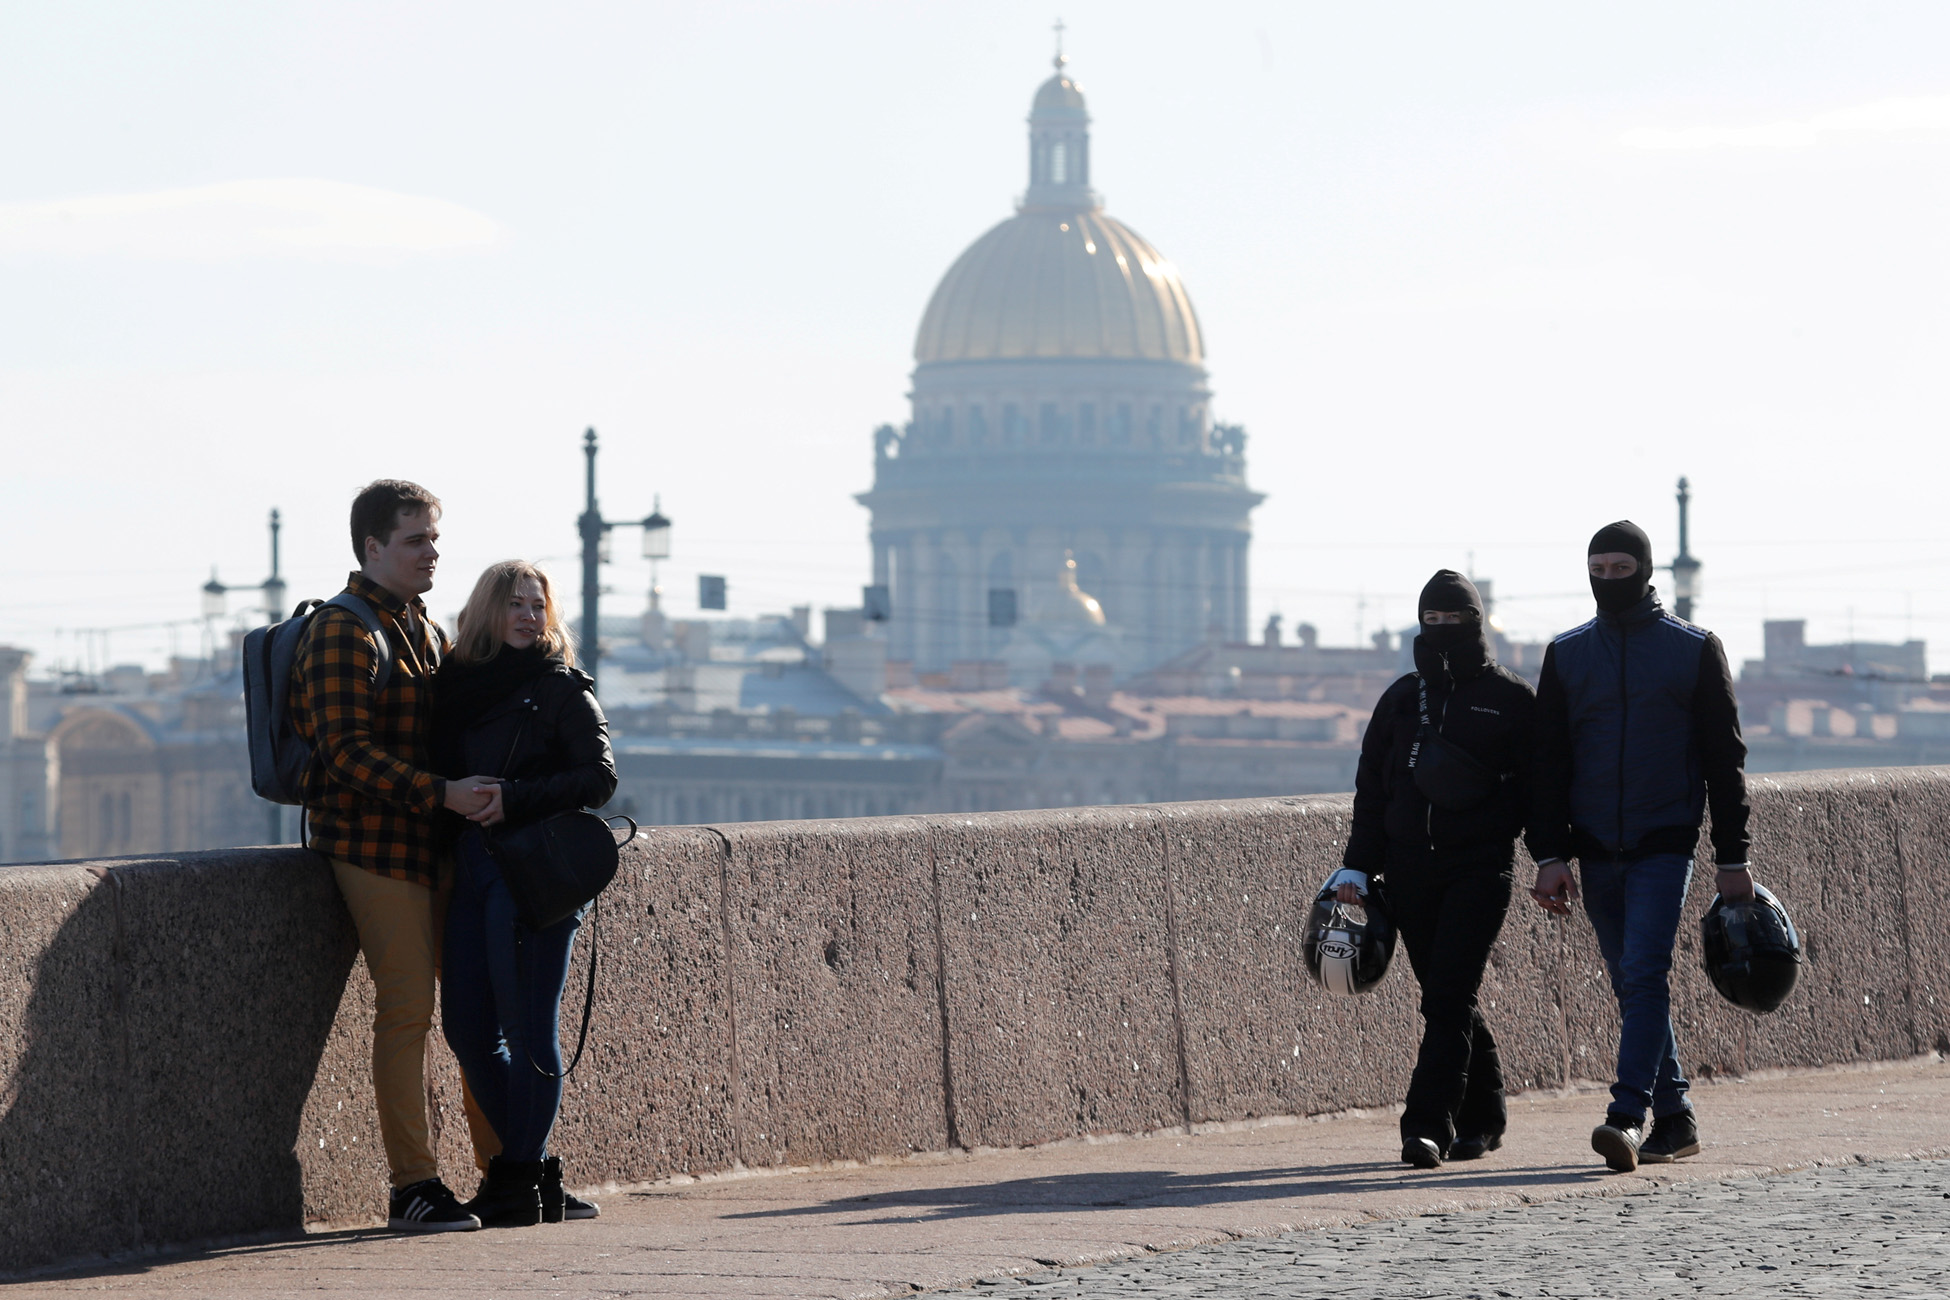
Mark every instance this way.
x=1059 y=163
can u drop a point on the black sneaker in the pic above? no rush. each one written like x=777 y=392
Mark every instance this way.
x=1672 y=1136
x=1617 y=1140
x=557 y=1203
x=427 y=1206
x=1422 y=1153
x=1474 y=1146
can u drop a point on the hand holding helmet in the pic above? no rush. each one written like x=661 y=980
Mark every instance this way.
x=1750 y=949
x=1348 y=945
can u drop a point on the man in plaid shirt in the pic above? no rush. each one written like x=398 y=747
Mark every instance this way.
x=372 y=804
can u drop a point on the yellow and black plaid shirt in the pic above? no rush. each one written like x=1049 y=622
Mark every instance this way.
x=368 y=793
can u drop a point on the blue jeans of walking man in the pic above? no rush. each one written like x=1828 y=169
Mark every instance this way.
x=1634 y=906
x=499 y=1002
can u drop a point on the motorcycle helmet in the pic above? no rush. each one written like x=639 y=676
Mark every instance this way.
x=1751 y=951
x=1348 y=945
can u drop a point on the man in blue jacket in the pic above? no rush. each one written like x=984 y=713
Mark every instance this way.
x=1638 y=734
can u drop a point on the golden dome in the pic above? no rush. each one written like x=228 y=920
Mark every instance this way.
x=1060 y=285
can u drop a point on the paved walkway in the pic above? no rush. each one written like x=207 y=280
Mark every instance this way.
x=1002 y=1221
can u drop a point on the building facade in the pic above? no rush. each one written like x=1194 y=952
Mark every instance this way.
x=1060 y=491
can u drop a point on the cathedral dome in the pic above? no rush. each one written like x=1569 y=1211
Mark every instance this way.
x=1061 y=285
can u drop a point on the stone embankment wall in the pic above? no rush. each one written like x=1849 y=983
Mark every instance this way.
x=183 y=1041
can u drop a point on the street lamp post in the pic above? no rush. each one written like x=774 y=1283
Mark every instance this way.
x=594 y=530
x=273 y=587
x=1685 y=568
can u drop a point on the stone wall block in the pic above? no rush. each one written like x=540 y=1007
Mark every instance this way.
x=1521 y=995
x=834 y=961
x=1923 y=836
x=654 y=1093
x=233 y=976
x=1827 y=846
x=63 y=1062
x=1057 y=974
x=1262 y=1037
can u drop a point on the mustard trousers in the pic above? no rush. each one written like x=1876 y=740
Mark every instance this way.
x=399 y=926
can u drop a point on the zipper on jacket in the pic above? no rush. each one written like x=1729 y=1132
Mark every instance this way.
x=1428 y=813
x=1624 y=717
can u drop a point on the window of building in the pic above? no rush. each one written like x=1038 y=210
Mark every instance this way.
x=1059 y=163
x=1087 y=421
x=1049 y=422
x=978 y=425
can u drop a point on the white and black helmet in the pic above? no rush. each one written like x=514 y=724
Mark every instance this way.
x=1348 y=945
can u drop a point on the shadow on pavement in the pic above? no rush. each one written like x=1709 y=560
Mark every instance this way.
x=1124 y=1189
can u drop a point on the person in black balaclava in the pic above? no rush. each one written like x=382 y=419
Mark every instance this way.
x=1623 y=790
x=1439 y=799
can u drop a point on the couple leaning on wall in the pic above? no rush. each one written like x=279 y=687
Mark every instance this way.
x=395 y=715
x=1611 y=762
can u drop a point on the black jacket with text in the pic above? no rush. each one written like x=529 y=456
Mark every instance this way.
x=1476 y=705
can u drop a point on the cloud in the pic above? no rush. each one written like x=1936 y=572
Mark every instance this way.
x=296 y=218
x=1883 y=117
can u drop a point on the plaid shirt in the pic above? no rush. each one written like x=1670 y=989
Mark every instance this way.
x=368 y=792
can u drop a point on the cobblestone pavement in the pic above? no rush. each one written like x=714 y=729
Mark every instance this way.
x=1856 y=1230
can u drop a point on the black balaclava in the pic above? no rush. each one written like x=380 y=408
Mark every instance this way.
x=1462 y=644
x=1616 y=595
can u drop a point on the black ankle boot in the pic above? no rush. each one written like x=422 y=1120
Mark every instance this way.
x=510 y=1195
x=558 y=1204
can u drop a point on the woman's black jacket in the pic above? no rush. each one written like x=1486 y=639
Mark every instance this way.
x=546 y=738
x=1477 y=705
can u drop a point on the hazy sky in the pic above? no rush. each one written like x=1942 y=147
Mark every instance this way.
x=1476 y=279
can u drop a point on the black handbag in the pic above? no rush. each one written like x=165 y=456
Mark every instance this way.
x=553 y=867
x=1449 y=776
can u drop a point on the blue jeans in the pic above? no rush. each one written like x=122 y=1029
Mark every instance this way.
x=1634 y=906
x=500 y=996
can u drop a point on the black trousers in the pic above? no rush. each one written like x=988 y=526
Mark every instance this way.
x=1449 y=911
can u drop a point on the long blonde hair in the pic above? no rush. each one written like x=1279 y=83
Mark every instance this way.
x=481 y=630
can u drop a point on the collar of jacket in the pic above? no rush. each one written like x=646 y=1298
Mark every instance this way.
x=1648 y=610
x=1472 y=659
x=377 y=596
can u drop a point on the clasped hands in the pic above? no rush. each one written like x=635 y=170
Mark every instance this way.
x=1556 y=888
x=477 y=798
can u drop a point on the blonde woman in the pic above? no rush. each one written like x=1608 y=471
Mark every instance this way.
x=509 y=702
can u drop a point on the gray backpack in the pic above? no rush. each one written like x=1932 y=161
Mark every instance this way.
x=279 y=755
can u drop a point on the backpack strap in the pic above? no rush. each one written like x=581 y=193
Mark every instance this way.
x=382 y=644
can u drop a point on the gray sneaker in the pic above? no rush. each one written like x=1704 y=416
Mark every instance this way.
x=1672 y=1137
x=1618 y=1140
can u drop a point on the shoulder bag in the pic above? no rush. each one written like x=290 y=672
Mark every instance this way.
x=1449 y=776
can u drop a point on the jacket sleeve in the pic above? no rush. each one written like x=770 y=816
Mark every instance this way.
x=1367 y=841
x=1723 y=754
x=584 y=776
x=336 y=668
x=1549 y=832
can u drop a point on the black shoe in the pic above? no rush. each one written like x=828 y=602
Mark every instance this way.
x=1421 y=1153
x=427 y=1206
x=1672 y=1136
x=1617 y=1140
x=1473 y=1146
x=558 y=1204
x=510 y=1195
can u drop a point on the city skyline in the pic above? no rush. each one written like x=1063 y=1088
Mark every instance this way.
x=1550 y=277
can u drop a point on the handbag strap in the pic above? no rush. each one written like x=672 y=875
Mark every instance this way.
x=1421 y=703
x=589 y=994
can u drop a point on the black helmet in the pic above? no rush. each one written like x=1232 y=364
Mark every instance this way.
x=1751 y=950
x=1348 y=946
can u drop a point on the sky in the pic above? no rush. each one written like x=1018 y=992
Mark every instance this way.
x=1476 y=280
